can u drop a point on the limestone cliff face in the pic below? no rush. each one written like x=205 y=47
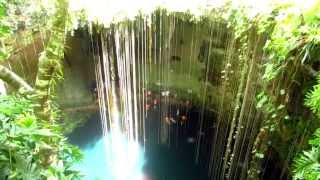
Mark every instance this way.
x=193 y=56
x=74 y=93
x=75 y=89
x=24 y=60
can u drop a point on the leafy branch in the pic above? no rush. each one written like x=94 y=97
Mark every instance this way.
x=307 y=164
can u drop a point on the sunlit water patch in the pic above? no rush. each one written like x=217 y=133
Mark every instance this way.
x=112 y=159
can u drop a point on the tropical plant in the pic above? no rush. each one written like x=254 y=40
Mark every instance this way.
x=5 y=31
x=50 y=65
x=291 y=54
x=313 y=98
x=31 y=148
x=307 y=164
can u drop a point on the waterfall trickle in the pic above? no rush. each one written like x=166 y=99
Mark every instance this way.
x=167 y=64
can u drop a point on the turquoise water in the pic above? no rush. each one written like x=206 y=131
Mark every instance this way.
x=104 y=160
x=94 y=163
x=126 y=161
x=111 y=161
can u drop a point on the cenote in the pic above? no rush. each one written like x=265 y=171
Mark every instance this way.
x=159 y=90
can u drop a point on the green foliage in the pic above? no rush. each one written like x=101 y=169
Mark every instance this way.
x=264 y=103
x=19 y=21
x=292 y=43
x=5 y=31
x=313 y=98
x=50 y=66
x=31 y=148
x=307 y=164
x=239 y=20
x=294 y=33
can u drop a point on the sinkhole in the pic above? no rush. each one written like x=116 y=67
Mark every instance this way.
x=160 y=90
x=174 y=98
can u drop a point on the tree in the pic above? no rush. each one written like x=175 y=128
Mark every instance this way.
x=31 y=144
x=50 y=66
x=13 y=79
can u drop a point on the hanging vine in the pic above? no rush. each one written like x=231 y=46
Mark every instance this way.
x=50 y=61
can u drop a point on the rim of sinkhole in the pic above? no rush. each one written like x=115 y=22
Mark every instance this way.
x=106 y=12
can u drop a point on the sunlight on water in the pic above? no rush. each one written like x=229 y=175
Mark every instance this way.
x=126 y=158
x=114 y=159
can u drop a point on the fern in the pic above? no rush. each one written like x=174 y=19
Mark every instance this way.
x=307 y=164
x=316 y=140
x=313 y=98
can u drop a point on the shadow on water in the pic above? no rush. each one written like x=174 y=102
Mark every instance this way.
x=163 y=163
x=175 y=160
x=88 y=134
